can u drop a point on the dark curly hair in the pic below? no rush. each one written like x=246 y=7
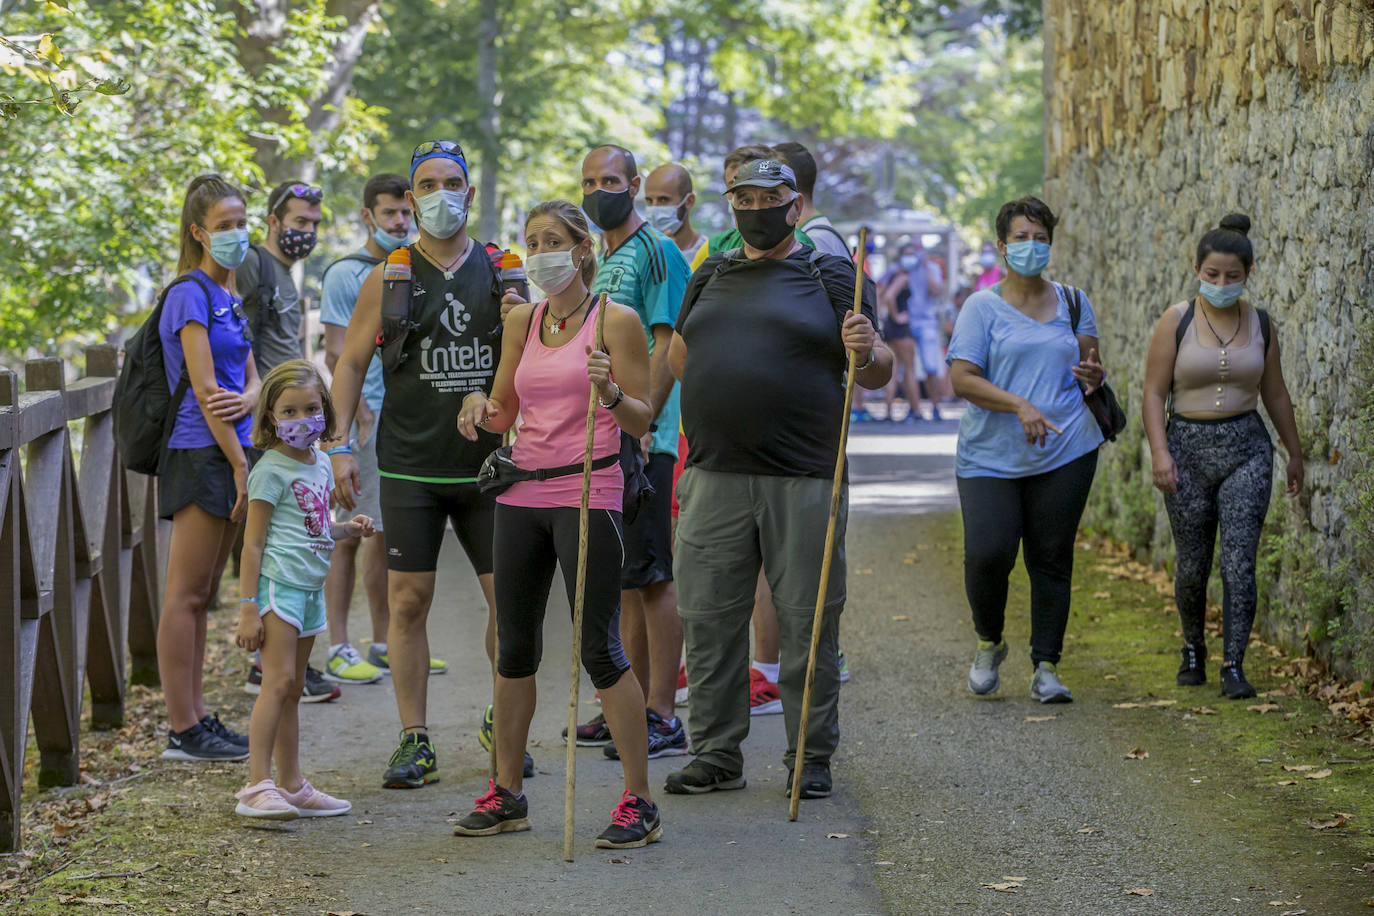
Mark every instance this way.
x=1033 y=209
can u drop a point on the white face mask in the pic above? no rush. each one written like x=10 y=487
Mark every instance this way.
x=665 y=219
x=551 y=271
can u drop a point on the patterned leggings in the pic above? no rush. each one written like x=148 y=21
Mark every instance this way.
x=1225 y=471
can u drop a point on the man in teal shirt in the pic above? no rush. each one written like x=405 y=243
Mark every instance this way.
x=644 y=269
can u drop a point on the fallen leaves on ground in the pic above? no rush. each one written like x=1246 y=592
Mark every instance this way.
x=1202 y=710
x=1333 y=823
x=80 y=897
x=1003 y=887
x=1262 y=708
x=899 y=617
x=837 y=836
x=1320 y=774
x=1086 y=829
x=1039 y=718
x=1152 y=703
x=1139 y=892
x=1287 y=782
x=1298 y=767
x=1138 y=753
x=1102 y=596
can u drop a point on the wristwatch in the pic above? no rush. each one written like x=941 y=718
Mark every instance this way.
x=615 y=401
x=872 y=358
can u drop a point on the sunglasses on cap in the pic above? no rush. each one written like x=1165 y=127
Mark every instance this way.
x=305 y=192
x=438 y=146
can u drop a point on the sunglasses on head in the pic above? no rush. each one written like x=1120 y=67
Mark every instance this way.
x=305 y=192
x=438 y=146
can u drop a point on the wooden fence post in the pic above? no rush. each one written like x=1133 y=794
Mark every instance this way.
x=140 y=530
x=18 y=623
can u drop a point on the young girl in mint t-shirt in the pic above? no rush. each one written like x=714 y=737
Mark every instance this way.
x=287 y=542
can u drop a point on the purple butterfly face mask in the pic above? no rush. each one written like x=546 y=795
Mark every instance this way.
x=301 y=433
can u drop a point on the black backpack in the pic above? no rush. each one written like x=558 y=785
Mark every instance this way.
x=144 y=410
x=1189 y=313
x=257 y=303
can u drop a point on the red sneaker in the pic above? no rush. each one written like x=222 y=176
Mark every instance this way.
x=763 y=695
x=680 y=698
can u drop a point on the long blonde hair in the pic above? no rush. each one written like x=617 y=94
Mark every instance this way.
x=572 y=219
x=294 y=373
x=204 y=192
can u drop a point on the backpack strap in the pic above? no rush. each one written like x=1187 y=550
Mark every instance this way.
x=364 y=259
x=1266 y=329
x=1073 y=299
x=266 y=291
x=1184 y=320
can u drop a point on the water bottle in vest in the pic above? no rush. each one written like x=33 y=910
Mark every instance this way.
x=513 y=275
x=396 y=294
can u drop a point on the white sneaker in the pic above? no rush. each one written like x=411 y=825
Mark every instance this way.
x=982 y=675
x=1046 y=687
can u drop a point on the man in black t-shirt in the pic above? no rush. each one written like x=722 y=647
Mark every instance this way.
x=428 y=470
x=761 y=347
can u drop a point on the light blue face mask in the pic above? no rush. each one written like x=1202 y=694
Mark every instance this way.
x=1223 y=297
x=1028 y=258
x=386 y=241
x=442 y=213
x=229 y=247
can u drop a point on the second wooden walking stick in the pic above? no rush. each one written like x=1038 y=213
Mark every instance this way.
x=799 y=759
x=578 y=599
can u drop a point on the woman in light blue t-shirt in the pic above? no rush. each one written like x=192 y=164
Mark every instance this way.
x=1027 y=444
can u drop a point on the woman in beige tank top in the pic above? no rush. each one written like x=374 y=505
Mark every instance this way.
x=1217 y=357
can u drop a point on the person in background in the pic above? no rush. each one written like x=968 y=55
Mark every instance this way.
x=551 y=351
x=1218 y=357
x=287 y=541
x=202 y=480
x=893 y=307
x=920 y=281
x=991 y=267
x=1027 y=447
x=387 y=219
x=274 y=320
x=823 y=234
x=670 y=199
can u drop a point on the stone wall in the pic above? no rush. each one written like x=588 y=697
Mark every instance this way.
x=1161 y=117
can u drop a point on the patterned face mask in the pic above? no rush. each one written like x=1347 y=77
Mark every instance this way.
x=301 y=433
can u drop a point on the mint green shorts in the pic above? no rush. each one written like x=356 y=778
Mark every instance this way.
x=300 y=607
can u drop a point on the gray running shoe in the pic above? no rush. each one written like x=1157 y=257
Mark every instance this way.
x=982 y=677
x=1047 y=687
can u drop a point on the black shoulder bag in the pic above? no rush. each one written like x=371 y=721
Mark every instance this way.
x=1102 y=402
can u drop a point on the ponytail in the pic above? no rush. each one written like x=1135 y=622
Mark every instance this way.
x=202 y=194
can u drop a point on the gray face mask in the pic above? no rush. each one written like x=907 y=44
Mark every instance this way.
x=443 y=212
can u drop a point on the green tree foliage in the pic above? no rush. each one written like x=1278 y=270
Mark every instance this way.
x=92 y=197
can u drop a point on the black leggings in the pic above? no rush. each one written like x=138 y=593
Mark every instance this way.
x=527 y=545
x=1040 y=514
x=1225 y=473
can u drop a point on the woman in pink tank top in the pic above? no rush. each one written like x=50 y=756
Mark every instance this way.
x=550 y=355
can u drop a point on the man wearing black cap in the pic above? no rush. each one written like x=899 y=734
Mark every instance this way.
x=761 y=348
x=444 y=351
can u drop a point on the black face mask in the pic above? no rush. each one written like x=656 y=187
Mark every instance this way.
x=296 y=243
x=764 y=229
x=608 y=209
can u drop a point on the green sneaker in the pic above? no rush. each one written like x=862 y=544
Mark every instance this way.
x=485 y=729
x=346 y=666
x=982 y=676
x=382 y=661
x=1046 y=686
x=844 y=669
x=413 y=765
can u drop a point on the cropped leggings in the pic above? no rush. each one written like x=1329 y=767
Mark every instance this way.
x=1039 y=514
x=528 y=544
x=1225 y=472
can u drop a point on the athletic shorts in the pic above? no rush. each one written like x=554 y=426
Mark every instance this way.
x=414 y=514
x=370 y=499
x=929 y=358
x=200 y=476
x=301 y=607
x=648 y=542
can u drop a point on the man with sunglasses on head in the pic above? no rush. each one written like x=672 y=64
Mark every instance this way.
x=272 y=306
x=443 y=348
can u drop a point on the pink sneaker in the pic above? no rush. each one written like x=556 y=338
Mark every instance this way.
x=311 y=802
x=265 y=801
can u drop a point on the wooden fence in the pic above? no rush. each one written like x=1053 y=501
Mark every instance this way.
x=78 y=571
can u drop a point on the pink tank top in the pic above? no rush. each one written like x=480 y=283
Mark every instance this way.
x=552 y=385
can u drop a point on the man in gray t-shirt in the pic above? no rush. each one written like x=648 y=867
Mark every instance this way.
x=293 y=217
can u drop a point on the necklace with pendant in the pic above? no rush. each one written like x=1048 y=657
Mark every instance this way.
x=447 y=271
x=558 y=324
x=1227 y=342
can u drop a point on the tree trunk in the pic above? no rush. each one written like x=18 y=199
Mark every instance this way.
x=488 y=122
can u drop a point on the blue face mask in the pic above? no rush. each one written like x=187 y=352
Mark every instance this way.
x=1028 y=258
x=386 y=241
x=1223 y=297
x=229 y=247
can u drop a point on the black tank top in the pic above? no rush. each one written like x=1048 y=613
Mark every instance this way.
x=450 y=354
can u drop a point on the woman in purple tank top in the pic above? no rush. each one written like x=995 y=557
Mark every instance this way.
x=550 y=353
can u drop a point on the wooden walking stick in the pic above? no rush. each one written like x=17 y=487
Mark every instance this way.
x=578 y=600
x=797 y=761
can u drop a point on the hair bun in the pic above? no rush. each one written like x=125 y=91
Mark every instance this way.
x=1236 y=222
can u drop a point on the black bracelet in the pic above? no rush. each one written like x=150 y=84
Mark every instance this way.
x=615 y=401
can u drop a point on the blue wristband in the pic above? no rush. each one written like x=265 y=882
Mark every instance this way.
x=253 y=600
x=340 y=450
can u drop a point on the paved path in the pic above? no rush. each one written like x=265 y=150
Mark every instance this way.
x=938 y=793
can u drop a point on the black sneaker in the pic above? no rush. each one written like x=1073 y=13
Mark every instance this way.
x=317 y=689
x=667 y=738
x=815 y=781
x=634 y=823
x=1193 y=670
x=228 y=734
x=1233 y=683
x=699 y=776
x=593 y=734
x=253 y=686
x=484 y=738
x=199 y=743
x=496 y=812
x=413 y=765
